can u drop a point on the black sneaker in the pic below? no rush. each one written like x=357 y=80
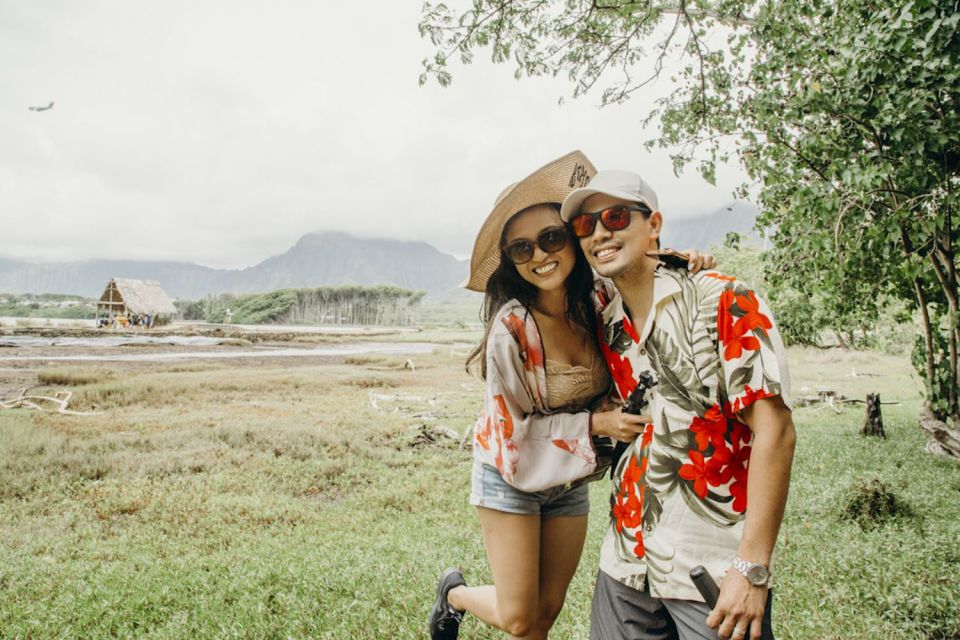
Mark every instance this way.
x=444 y=619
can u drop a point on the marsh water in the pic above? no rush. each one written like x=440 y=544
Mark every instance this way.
x=342 y=349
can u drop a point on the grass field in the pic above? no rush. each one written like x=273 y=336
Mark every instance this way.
x=275 y=501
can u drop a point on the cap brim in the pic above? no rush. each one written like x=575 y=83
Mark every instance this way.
x=571 y=205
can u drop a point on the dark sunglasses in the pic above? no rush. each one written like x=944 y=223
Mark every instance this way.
x=613 y=218
x=550 y=240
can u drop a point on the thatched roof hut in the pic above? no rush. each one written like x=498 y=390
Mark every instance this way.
x=126 y=296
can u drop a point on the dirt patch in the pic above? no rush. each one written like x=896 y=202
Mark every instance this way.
x=424 y=436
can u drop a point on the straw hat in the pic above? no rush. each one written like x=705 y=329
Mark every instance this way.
x=549 y=184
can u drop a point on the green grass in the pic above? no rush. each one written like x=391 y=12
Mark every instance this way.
x=222 y=502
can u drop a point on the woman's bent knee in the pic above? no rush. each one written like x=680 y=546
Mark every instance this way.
x=548 y=613
x=520 y=625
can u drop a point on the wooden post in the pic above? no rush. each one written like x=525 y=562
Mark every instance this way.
x=873 y=422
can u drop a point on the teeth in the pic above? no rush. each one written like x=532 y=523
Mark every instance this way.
x=603 y=253
x=545 y=269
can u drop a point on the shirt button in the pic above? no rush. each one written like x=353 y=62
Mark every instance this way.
x=643 y=352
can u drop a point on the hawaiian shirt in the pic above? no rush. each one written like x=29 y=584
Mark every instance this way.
x=532 y=445
x=679 y=494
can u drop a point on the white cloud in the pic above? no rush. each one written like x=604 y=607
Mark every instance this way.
x=220 y=133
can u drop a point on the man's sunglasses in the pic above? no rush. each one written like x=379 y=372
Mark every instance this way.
x=613 y=218
x=550 y=240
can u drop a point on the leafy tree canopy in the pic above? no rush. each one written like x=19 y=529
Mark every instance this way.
x=845 y=114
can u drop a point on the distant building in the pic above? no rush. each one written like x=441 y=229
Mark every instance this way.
x=126 y=298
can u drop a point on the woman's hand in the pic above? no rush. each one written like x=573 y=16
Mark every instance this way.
x=618 y=425
x=699 y=261
x=692 y=259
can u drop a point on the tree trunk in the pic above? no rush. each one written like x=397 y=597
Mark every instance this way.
x=953 y=316
x=840 y=339
x=927 y=330
x=944 y=439
x=873 y=422
x=943 y=268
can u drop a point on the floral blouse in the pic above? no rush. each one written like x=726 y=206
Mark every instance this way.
x=679 y=494
x=533 y=445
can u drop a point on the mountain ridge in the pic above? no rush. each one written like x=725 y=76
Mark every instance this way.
x=328 y=258
x=316 y=259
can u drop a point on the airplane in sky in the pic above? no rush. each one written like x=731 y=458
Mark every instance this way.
x=46 y=108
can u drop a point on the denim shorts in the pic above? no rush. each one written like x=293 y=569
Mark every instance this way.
x=490 y=491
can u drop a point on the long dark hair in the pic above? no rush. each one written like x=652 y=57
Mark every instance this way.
x=506 y=284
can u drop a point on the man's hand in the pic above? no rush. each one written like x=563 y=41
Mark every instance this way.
x=618 y=425
x=739 y=610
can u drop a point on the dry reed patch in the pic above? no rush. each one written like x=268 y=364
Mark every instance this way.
x=317 y=339
x=129 y=392
x=190 y=368
x=73 y=377
x=189 y=388
x=364 y=360
x=370 y=382
x=35 y=445
x=167 y=425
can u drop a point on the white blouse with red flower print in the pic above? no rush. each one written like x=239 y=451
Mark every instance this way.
x=533 y=446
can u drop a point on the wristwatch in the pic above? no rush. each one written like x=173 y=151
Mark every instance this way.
x=757 y=574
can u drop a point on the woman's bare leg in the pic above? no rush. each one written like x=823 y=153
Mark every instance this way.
x=561 y=545
x=512 y=542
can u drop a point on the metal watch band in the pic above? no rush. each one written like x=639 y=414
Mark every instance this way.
x=744 y=567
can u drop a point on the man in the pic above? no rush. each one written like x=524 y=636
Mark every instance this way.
x=721 y=425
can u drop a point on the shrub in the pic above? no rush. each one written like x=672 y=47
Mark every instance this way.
x=871 y=504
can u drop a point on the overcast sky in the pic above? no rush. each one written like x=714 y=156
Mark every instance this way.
x=221 y=132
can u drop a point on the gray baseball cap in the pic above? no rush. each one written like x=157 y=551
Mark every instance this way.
x=624 y=185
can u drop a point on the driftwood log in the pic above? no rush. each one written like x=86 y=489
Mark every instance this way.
x=944 y=439
x=376 y=399
x=828 y=398
x=408 y=365
x=60 y=402
x=467 y=439
x=873 y=421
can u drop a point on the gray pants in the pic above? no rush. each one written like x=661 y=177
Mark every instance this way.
x=622 y=613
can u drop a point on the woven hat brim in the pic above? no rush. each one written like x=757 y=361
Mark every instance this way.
x=550 y=184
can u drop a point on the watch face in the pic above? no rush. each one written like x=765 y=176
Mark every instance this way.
x=758 y=574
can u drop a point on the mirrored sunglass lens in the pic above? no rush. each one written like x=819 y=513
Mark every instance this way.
x=616 y=218
x=583 y=225
x=552 y=240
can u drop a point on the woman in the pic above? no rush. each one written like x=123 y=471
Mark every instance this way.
x=534 y=444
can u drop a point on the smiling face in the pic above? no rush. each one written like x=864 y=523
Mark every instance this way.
x=620 y=254
x=546 y=271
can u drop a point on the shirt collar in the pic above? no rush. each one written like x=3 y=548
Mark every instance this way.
x=666 y=284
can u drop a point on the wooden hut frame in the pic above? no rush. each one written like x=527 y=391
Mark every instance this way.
x=125 y=296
